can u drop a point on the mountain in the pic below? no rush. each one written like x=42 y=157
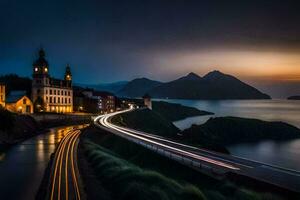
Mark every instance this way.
x=138 y=87
x=109 y=87
x=214 y=85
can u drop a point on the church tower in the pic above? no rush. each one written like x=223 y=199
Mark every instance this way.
x=41 y=78
x=68 y=76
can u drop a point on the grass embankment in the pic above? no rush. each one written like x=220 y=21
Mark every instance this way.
x=148 y=121
x=225 y=131
x=154 y=122
x=125 y=170
x=175 y=112
x=14 y=128
x=159 y=119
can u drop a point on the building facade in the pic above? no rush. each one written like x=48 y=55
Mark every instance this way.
x=18 y=102
x=98 y=101
x=50 y=94
x=2 y=95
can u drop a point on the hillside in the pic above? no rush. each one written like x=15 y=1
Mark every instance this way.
x=138 y=87
x=109 y=87
x=15 y=82
x=159 y=119
x=175 y=112
x=214 y=85
x=148 y=121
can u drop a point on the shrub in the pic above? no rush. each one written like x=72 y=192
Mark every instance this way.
x=7 y=119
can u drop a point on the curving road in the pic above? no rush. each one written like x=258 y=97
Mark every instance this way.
x=64 y=177
x=204 y=160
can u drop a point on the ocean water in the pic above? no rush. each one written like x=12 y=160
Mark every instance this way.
x=284 y=154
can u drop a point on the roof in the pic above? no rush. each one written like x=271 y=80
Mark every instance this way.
x=15 y=96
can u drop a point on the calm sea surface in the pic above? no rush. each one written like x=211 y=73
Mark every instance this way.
x=284 y=154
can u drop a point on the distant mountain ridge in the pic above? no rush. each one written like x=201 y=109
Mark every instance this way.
x=109 y=87
x=215 y=86
x=138 y=87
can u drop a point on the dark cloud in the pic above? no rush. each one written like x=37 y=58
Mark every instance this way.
x=112 y=37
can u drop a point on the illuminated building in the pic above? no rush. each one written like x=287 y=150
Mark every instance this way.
x=2 y=95
x=99 y=101
x=18 y=102
x=50 y=94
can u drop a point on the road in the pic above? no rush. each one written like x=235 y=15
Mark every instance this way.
x=64 y=174
x=22 y=166
x=204 y=160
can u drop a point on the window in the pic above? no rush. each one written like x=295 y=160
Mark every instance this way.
x=58 y=99
x=24 y=101
x=54 y=99
x=69 y=100
x=66 y=100
x=66 y=94
x=47 y=99
x=51 y=92
x=54 y=92
x=69 y=93
x=50 y=99
x=46 y=91
x=58 y=92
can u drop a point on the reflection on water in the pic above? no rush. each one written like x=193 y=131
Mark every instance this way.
x=270 y=110
x=22 y=166
x=284 y=154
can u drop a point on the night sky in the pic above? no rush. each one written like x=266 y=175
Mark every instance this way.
x=106 y=41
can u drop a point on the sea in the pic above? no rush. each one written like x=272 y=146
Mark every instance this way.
x=283 y=154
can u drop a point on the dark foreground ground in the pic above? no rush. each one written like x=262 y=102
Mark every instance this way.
x=113 y=168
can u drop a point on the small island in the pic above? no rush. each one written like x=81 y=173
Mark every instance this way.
x=294 y=97
x=224 y=131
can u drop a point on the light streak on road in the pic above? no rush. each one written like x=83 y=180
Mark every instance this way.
x=274 y=175
x=154 y=140
x=64 y=180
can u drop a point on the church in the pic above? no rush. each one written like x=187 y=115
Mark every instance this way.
x=50 y=94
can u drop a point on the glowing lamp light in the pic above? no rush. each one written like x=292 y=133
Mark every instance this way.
x=46 y=69
x=36 y=69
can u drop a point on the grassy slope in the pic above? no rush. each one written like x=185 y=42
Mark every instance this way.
x=174 y=111
x=148 y=121
x=230 y=130
x=159 y=120
x=146 y=175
